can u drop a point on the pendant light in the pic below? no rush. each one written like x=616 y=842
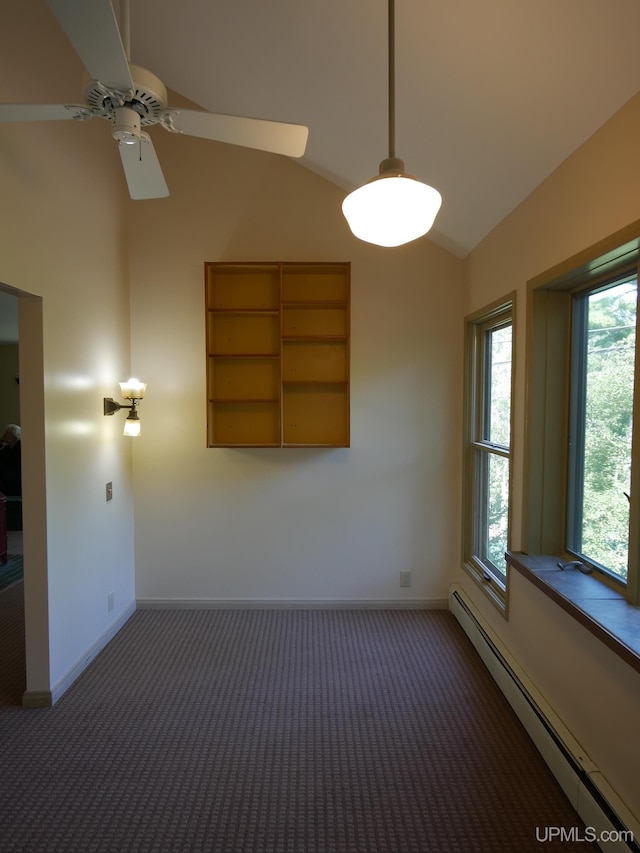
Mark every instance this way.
x=393 y=208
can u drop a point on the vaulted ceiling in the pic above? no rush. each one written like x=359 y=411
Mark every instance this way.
x=491 y=95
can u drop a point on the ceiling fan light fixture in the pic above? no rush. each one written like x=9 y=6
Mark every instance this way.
x=393 y=208
x=126 y=126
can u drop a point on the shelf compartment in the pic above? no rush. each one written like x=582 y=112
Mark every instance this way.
x=315 y=283
x=312 y=321
x=243 y=286
x=315 y=415
x=244 y=424
x=314 y=361
x=244 y=334
x=244 y=378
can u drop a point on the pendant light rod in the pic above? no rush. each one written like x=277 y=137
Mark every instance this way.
x=392 y=163
x=392 y=80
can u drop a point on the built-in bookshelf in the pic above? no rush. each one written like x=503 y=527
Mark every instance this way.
x=278 y=354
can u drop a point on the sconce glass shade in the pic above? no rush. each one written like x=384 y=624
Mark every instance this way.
x=393 y=208
x=132 y=425
x=133 y=389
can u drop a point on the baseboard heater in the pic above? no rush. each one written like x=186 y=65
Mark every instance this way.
x=609 y=821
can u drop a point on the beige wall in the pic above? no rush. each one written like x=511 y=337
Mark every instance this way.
x=291 y=524
x=62 y=240
x=592 y=195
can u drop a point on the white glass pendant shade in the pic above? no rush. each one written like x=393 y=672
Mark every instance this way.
x=392 y=209
x=133 y=389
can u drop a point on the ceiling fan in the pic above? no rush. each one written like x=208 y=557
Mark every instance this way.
x=131 y=98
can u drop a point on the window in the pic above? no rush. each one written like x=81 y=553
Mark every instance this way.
x=603 y=334
x=582 y=457
x=489 y=383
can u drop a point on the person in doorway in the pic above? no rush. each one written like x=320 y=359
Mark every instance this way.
x=11 y=461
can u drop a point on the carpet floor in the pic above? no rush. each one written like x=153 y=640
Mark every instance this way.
x=259 y=731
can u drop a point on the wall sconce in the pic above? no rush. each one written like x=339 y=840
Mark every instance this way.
x=131 y=390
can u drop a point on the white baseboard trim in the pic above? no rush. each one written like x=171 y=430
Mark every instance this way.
x=44 y=698
x=288 y=604
x=616 y=829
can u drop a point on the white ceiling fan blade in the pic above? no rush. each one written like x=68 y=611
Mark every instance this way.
x=274 y=136
x=92 y=29
x=41 y=112
x=142 y=170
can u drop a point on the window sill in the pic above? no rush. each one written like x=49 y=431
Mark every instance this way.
x=604 y=612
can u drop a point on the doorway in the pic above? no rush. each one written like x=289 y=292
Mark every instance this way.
x=27 y=615
x=12 y=651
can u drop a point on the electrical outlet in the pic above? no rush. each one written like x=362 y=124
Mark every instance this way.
x=111 y=601
x=405 y=578
x=109 y=491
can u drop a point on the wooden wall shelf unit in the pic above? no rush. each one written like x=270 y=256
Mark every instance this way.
x=277 y=354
